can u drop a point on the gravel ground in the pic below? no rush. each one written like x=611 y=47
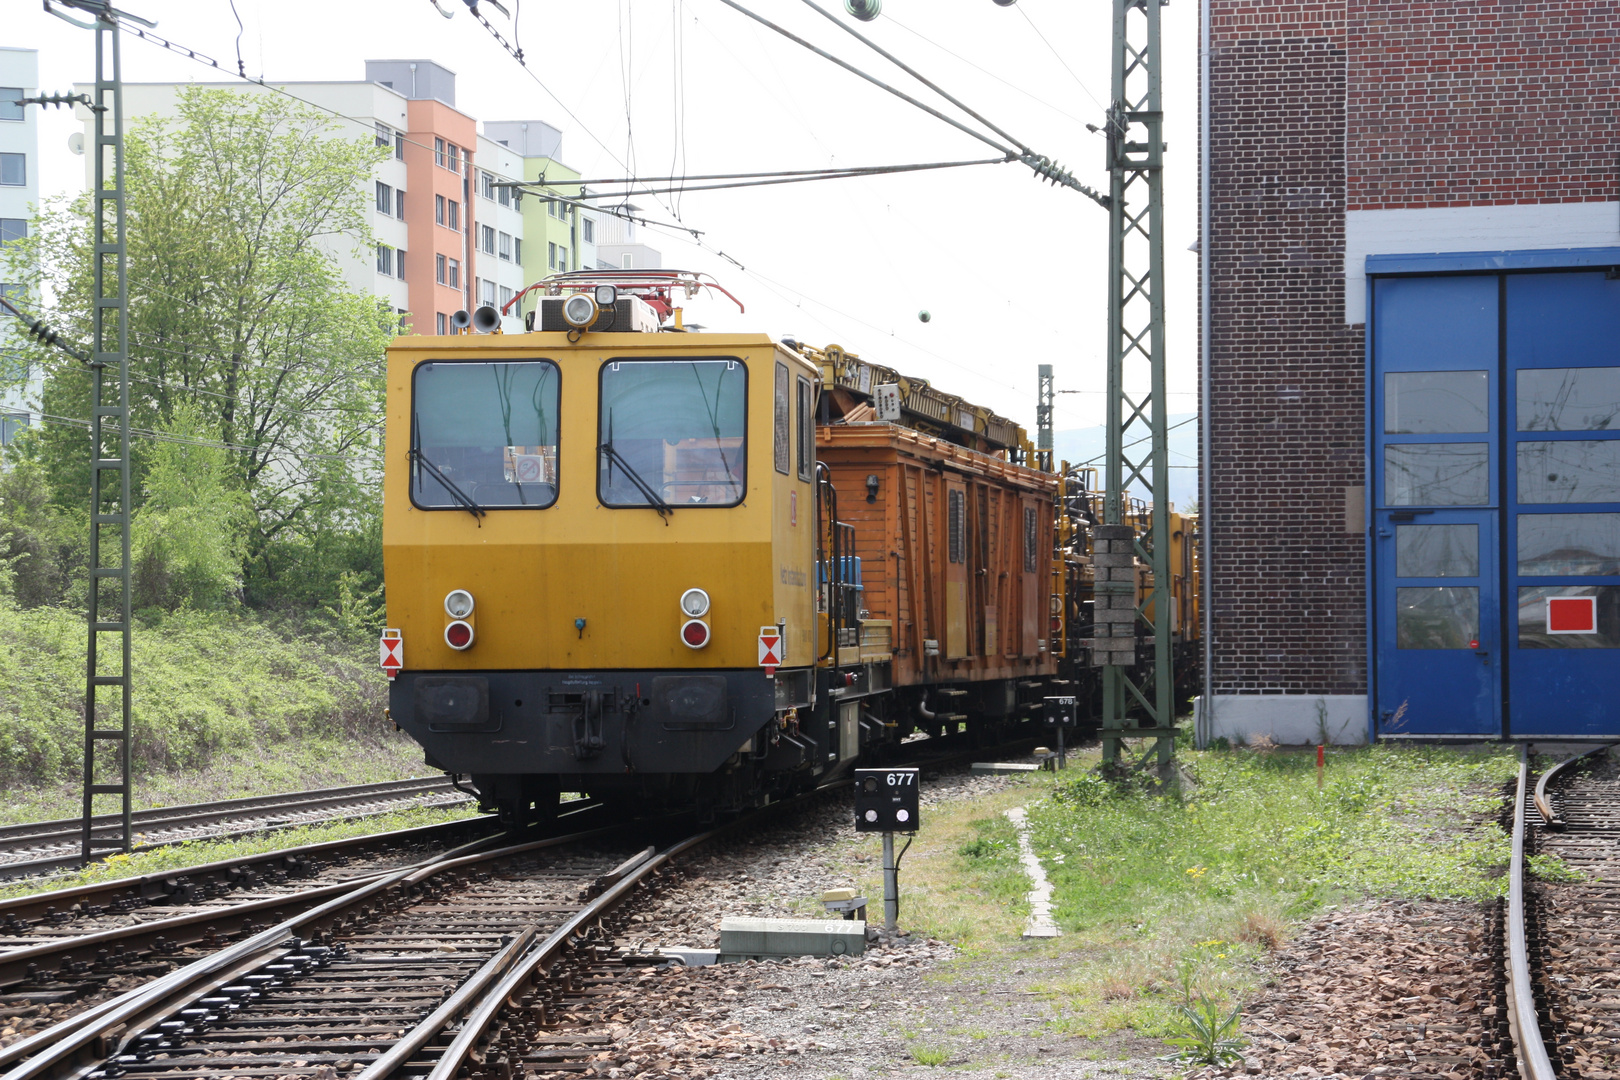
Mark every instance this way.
x=1392 y=989
x=906 y=1000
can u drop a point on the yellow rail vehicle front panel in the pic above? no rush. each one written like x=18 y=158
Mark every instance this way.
x=587 y=572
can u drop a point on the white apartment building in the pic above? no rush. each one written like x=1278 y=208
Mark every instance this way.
x=19 y=195
x=618 y=243
x=499 y=218
x=373 y=112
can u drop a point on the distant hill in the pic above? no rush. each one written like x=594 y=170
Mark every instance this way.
x=1084 y=444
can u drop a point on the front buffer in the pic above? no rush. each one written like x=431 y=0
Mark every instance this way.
x=525 y=734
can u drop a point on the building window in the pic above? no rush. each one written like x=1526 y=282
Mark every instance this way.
x=503 y=196
x=505 y=249
x=486 y=292
x=551 y=256
x=486 y=185
x=627 y=262
x=438 y=159
x=438 y=209
x=438 y=269
x=399 y=146
x=589 y=225
x=12 y=293
x=486 y=235
x=517 y=249
x=13 y=228
x=385 y=260
x=454 y=266
x=385 y=135
x=452 y=215
x=399 y=263
x=506 y=296
x=385 y=198
x=13 y=170
x=399 y=204
x=454 y=164
x=11 y=424
x=9 y=109
x=562 y=257
x=441 y=323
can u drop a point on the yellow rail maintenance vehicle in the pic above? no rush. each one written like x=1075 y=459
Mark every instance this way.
x=600 y=545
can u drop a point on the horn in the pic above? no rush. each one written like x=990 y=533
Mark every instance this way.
x=461 y=320
x=486 y=319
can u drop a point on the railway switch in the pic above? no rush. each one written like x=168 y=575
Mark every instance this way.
x=886 y=800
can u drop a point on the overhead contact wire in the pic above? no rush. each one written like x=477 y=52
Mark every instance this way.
x=1012 y=154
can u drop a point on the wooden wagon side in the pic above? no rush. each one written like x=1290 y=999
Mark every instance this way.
x=955 y=549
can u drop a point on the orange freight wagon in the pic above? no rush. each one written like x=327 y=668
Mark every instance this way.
x=956 y=558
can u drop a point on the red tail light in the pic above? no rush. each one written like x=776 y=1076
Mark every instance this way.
x=695 y=633
x=458 y=635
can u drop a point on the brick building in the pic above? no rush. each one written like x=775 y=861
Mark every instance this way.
x=1413 y=530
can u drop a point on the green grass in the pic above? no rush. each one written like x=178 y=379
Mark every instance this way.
x=195 y=852
x=1161 y=897
x=290 y=765
x=930 y=1055
x=206 y=684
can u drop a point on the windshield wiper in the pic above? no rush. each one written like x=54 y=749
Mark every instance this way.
x=653 y=498
x=449 y=485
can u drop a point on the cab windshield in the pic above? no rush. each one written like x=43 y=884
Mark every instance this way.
x=673 y=431
x=484 y=434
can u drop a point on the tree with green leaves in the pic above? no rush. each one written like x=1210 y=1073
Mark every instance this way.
x=242 y=333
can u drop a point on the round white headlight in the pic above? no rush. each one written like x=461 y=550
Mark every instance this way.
x=695 y=602
x=458 y=604
x=579 y=310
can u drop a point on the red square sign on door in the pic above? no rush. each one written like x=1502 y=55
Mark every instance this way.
x=1572 y=615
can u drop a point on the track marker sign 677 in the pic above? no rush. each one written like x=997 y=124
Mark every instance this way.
x=392 y=652
x=770 y=648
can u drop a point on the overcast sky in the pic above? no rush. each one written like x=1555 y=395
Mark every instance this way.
x=1012 y=270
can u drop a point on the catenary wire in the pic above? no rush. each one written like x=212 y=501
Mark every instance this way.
x=986 y=71
x=874 y=80
x=1060 y=59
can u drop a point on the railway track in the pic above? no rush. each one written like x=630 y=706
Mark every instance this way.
x=482 y=955
x=43 y=846
x=407 y=970
x=1563 y=939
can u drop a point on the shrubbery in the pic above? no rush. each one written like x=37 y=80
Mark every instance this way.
x=206 y=681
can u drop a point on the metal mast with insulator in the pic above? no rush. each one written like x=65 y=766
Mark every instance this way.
x=1136 y=401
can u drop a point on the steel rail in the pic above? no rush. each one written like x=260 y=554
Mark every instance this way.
x=152 y=886
x=1543 y=804
x=56 y=1045
x=539 y=958
x=1534 y=1064
x=51 y=834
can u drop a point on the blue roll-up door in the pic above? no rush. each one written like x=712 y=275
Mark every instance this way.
x=1495 y=444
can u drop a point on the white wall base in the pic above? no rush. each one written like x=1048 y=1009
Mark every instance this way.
x=1285 y=719
x=1518 y=227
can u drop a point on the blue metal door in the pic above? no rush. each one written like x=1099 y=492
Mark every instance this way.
x=1436 y=495
x=1562 y=483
